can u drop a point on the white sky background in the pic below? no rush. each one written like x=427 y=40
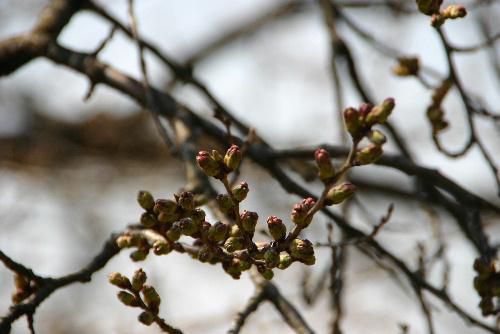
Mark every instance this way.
x=276 y=80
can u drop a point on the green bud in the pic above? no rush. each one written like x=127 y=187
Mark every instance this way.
x=127 y=298
x=119 y=280
x=139 y=255
x=205 y=254
x=208 y=164
x=302 y=250
x=276 y=228
x=232 y=268
x=232 y=158
x=165 y=205
x=186 y=200
x=167 y=218
x=146 y=318
x=248 y=220
x=234 y=243
x=454 y=12
x=151 y=297
x=124 y=241
x=175 y=232
x=272 y=258
x=148 y=220
x=265 y=272
x=376 y=137
x=340 y=193
x=352 y=122
x=369 y=154
x=161 y=247
x=225 y=203
x=138 y=279
x=240 y=191
x=379 y=114
x=325 y=166
x=187 y=226
x=145 y=200
x=198 y=216
x=217 y=156
x=300 y=212
x=245 y=265
x=285 y=261
x=235 y=231
x=429 y=7
x=218 y=232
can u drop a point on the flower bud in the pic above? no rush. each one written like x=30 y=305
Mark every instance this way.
x=145 y=200
x=161 y=247
x=265 y=272
x=232 y=158
x=146 y=318
x=285 y=261
x=407 y=66
x=166 y=218
x=248 y=220
x=225 y=203
x=138 y=279
x=217 y=156
x=187 y=226
x=124 y=241
x=429 y=7
x=325 y=166
x=198 y=216
x=174 y=233
x=235 y=231
x=340 y=193
x=272 y=258
x=276 y=228
x=119 y=280
x=300 y=212
x=208 y=164
x=454 y=12
x=127 y=298
x=218 y=232
x=165 y=206
x=380 y=113
x=139 y=255
x=148 y=220
x=302 y=250
x=205 y=254
x=352 y=123
x=240 y=191
x=232 y=267
x=376 y=137
x=151 y=297
x=186 y=200
x=234 y=243
x=369 y=154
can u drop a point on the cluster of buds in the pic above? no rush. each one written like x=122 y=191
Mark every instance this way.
x=213 y=164
x=24 y=288
x=407 y=66
x=451 y=12
x=135 y=293
x=487 y=284
x=359 y=123
x=435 y=112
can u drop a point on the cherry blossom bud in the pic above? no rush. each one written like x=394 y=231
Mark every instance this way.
x=352 y=122
x=276 y=228
x=240 y=191
x=186 y=200
x=454 y=12
x=232 y=158
x=218 y=232
x=300 y=211
x=208 y=164
x=146 y=318
x=174 y=233
x=138 y=280
x=165 y=206
x=119 y=280
x=429 y=7
x=161 y=247
x=272 y=258
x=127 y=299
x=248 y=220
x=325 y=166
x=234 y=243
x=225 y=203
x=148 y=220
x=285 y=261
x=145 y=200
x=376 y=137
x=380 y=113
x=151 y=297
x=369 y=154
x=302 y=250
x=340 y=193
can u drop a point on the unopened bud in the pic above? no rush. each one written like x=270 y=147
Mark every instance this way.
x=146 y=318
x=124 y=241
x=205 y=254
x=161 y=247
x=285 y=261
x=218 y=232
x=352 y=122
x=148 y=220
x=265 y=272
x=302 y=250
x=186 y=200
x=272 y=258
x=139 y=255
x=232 y=267
x=240 y=191
x=300 y=212
x=119 y=280
x=369 y=154
x=198 y=216
x=325 y=166
x=232 y=158
x=165 y=206
x=454 y=12
x=187 y=226
x=145 y=200
x=138 y=279
x=248 y=220
x=234 y=243
x=340 y=193
x=429 y=7
x=208 y=164
x=127 y=299
x=276 y=228
x=235 y=231
x=174 y=233
x=151 y=297
x=380 y=113
x=407 y=66
x=376 y=137
x=225 y=203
